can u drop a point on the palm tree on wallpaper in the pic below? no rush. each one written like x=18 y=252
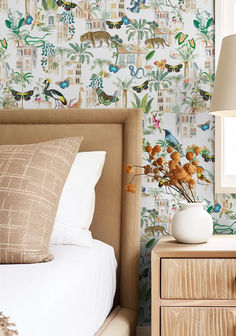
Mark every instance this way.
x=137 y=28
x=124 y=86
x=80 y=52
x=186 y=55
x=194 y=104
x=100 y=63
x=157 y=5
x=49 y=4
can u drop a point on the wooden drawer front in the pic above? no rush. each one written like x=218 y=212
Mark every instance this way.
x=198 y=279
x=199 y=321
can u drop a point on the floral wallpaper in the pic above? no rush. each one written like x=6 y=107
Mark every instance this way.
x=157 y=55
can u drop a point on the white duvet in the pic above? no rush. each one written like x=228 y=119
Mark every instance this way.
x=69 y=296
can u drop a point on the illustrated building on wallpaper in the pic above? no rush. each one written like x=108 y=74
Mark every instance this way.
x=186 y=125
x=74 y=73
x=162 y=207
x=130 y=54
x=26 y=58
x=62 y=32
x=209 y=57
x=190 y=6
x=83 y=10
x=91 y=97
x=31 y=7
x=95 y=24
x=163 y=101
x=116 y=8
x=162 y=18
x=4 y=71
x=4 y=7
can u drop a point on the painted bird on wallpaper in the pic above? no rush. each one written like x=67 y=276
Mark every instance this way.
x=200 y=174
x=172 y=141
x=56 y=95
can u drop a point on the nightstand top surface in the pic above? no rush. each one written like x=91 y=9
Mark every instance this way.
x=220 y=245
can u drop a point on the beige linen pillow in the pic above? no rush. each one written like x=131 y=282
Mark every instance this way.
x=31 y=180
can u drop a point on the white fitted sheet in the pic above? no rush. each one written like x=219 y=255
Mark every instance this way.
x=69 y=296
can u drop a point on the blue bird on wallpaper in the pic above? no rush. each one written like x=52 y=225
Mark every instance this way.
x=172 y=141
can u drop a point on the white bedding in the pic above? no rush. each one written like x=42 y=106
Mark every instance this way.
x=69 y=296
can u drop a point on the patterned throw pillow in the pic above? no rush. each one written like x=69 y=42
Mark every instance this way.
x=31 y=180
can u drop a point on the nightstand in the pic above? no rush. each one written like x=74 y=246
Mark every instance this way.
x=194 y=288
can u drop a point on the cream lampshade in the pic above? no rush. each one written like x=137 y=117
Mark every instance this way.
x=223 y=100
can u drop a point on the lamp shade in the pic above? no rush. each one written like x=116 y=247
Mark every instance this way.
x=224 y=94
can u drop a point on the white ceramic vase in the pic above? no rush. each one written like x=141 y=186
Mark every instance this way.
x=192 y=224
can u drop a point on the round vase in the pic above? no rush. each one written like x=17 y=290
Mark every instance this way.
x=192 y=224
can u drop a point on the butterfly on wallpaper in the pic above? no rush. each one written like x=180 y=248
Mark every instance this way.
x=67 y=5
x=137 y=5
x=160 y=64
x=140 y=88
x=173 y=68
x=114 y=68
x=205 y=95
x=4 y=43
x=155 y=122
x=64 y=84
x=20 y=96
x=181 y=37
x=105 y=99
x=116 y=25
x=205 y=126
x=207 y=157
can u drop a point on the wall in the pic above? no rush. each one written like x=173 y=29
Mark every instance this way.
x=171 y=82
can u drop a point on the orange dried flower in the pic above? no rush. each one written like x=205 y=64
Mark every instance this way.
x=153 y=152
x=179 y=173
x=161 y=161
x=148 y=149
x=189 y=156
x=131 y=188
x=155 y=163
x=175 y=156
x=129 y=169
x=157 y=148
x=147 y=169
x=190 y=168
x=155 y=170
x=195 y=162
x=172 y=164
x=191 y=183
x=197 y=150
x=170 y=149
x=151 y=157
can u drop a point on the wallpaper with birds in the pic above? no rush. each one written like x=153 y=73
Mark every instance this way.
x=157 y=55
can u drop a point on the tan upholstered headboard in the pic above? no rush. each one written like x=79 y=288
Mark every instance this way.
x=117 y=215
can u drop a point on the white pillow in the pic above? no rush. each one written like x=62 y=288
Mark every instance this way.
x=77 y=202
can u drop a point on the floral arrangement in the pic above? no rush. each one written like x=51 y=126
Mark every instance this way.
x=166 y=169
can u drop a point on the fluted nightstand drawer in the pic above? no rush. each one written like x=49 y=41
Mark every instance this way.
x=198 y=279
x=204 y=321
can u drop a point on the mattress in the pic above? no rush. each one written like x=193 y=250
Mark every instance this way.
x=69 y=296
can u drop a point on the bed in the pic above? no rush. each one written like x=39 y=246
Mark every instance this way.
x=115 y=228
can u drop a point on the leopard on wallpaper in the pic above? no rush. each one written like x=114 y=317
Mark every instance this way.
x=157 y=55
